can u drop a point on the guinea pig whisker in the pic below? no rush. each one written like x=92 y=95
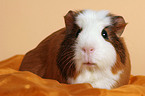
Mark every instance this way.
x=70 y=68
x=69 y=59
x=64 y=51
x=70 y=65
x=67 y=53
x=64 y=56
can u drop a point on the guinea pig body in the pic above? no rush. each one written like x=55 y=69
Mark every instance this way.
x=91 y=51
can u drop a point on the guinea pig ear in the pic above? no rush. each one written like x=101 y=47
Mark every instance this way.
x=69 y=20
x=119 y=24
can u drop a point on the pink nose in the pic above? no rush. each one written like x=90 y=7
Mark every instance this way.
x=88 y=50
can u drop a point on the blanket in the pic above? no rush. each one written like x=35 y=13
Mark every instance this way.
x=24 y=83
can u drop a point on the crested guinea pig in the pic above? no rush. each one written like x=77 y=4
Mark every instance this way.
x=89 y=49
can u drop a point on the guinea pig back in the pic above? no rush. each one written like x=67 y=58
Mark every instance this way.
x=89 y=49
x=42 y=59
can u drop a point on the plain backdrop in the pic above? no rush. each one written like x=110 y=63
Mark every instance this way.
x=24 y=23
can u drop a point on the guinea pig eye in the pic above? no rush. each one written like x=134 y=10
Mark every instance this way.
x=79 y=30
x=104 y=34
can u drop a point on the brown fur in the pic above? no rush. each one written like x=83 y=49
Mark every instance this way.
x=42 y=59
x=65 y=60
x=124 y=77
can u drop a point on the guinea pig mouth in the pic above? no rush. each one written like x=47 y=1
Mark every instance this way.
x=89 y=64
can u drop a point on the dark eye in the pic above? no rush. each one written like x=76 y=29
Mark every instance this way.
x=78 y=31
x=104 y=34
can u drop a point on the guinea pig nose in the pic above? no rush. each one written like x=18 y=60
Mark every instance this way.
x=88 y=50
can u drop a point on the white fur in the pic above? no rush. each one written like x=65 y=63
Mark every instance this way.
x=104 y=54
x=99 y=79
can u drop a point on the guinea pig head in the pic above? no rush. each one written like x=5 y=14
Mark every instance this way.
x=92 y=42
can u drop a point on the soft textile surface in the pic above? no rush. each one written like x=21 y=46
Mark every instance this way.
x=16 y=83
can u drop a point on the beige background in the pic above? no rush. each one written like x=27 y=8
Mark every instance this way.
x=24 y=23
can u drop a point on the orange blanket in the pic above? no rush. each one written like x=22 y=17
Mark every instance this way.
x=16 y=83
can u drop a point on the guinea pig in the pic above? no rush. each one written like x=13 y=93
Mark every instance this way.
x=89 y=49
